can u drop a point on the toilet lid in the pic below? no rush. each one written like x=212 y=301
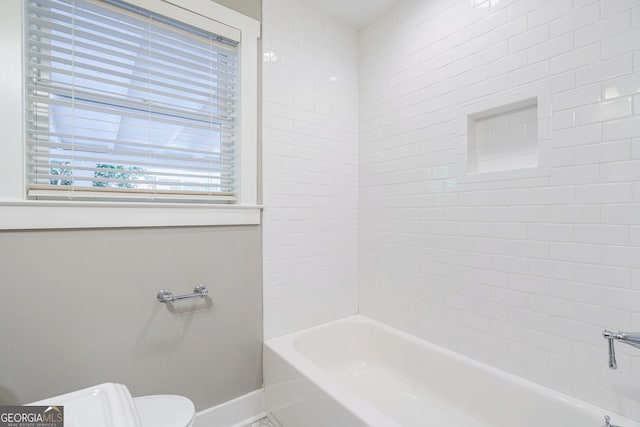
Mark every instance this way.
x=164 y=410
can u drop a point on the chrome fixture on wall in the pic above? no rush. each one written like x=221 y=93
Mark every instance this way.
x=165 y=295
x=631 y=338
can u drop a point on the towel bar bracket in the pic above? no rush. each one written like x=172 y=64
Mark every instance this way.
x=165 y=295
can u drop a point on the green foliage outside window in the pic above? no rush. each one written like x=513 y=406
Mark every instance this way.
x=59 y=169
x=117 y=172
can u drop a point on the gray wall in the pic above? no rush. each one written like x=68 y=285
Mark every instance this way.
x=252 y=8
x=78 y=308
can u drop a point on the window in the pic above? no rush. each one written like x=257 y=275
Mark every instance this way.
x=126 y=107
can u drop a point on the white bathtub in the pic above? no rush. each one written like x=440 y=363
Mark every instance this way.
x=359 y=372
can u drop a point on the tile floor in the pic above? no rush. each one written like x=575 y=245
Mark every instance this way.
x=264 y=422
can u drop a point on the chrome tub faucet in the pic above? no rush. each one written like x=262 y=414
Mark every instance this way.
x=631 y=338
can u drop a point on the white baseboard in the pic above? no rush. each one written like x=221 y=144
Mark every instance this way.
x=238 y=412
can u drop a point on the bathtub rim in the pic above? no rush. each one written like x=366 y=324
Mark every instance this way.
x=284 y=346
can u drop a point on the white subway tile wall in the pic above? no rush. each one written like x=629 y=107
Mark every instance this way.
x=521 y=273
x=310 y=167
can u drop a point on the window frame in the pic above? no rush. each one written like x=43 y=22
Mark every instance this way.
x=17 y=212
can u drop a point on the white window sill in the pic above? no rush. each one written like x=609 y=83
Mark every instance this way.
x=29 y=215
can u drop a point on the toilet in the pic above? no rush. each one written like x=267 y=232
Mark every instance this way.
x=165 y=410
x=111 y=405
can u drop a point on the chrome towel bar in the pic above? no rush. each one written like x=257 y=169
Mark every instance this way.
x=165 y=295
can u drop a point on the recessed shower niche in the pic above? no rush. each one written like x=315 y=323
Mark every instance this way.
x=507 y=137
x=504 y=138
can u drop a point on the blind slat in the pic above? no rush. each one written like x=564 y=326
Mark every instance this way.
x=149 y=166
x=141 y=113
x=80 y=193
x=69 y=96
x=124 y=26
x=157 y=54
x=99 y=19
x=175 y=82
x=194 y=147
x=218 y=181
x=96 y=144
x=131 y=154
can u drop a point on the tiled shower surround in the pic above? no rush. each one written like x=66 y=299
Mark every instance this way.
x=519 y=270
x=310 y=167
x=525 y=273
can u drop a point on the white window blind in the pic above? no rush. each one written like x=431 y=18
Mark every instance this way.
x=123 y=103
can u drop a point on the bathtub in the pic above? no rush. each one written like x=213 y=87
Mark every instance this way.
x=358 y=372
